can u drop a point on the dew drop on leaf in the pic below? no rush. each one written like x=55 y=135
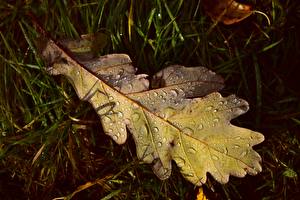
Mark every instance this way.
x=180 y=162
x=135 y=117
x=120 y=114
x=111 y=98
x=238 y=138
x=200 y=127
x=187 y=131
x=192 y=150
x=130 y=86
x=209 y=108
x=143 y=130
x=174 y=93
x=190 y=175
x=216 y=120
x=155 y=129
x=214 y=157
x=159 y=144
x=115 y=137
x=243 y=154
x=135 y=106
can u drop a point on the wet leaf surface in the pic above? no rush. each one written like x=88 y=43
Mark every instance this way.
x=183 y=118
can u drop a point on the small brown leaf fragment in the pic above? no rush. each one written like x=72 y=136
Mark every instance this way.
x=227 y=11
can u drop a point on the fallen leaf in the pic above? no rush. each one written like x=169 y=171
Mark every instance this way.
x=227 y=11
x=167 y=123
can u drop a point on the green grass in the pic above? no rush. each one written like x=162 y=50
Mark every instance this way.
x=51 y=142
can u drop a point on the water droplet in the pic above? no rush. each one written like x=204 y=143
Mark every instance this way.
x=106 y=119
x=209 y=108
x=135 y=117
x=215 y=110
x=234 y=100
x=155 y=94
x=164 y=139
x=135 y=106
x=238 y=138
x=111 y=98
x=248 y=145
x=180 y=90
x=110 y=112
x=216 y=120
x=237 y=146
x=174 y=93
x=122 y=129
x=191 y=150
x=221 y=102
x=115 y=137
x=118 y=76
x=143 y=130
x=214 y=157
x=110 y=130
x=117 y=103
x=189 y=175
x=159 y=144
x=180 y=162
x=78 y=73
x=243 y=154
x=155 y=129
x=130 y=86
x=120 y=114
x=187 y=131
x=200 y=127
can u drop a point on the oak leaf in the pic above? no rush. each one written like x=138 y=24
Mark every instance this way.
x=183 y=118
